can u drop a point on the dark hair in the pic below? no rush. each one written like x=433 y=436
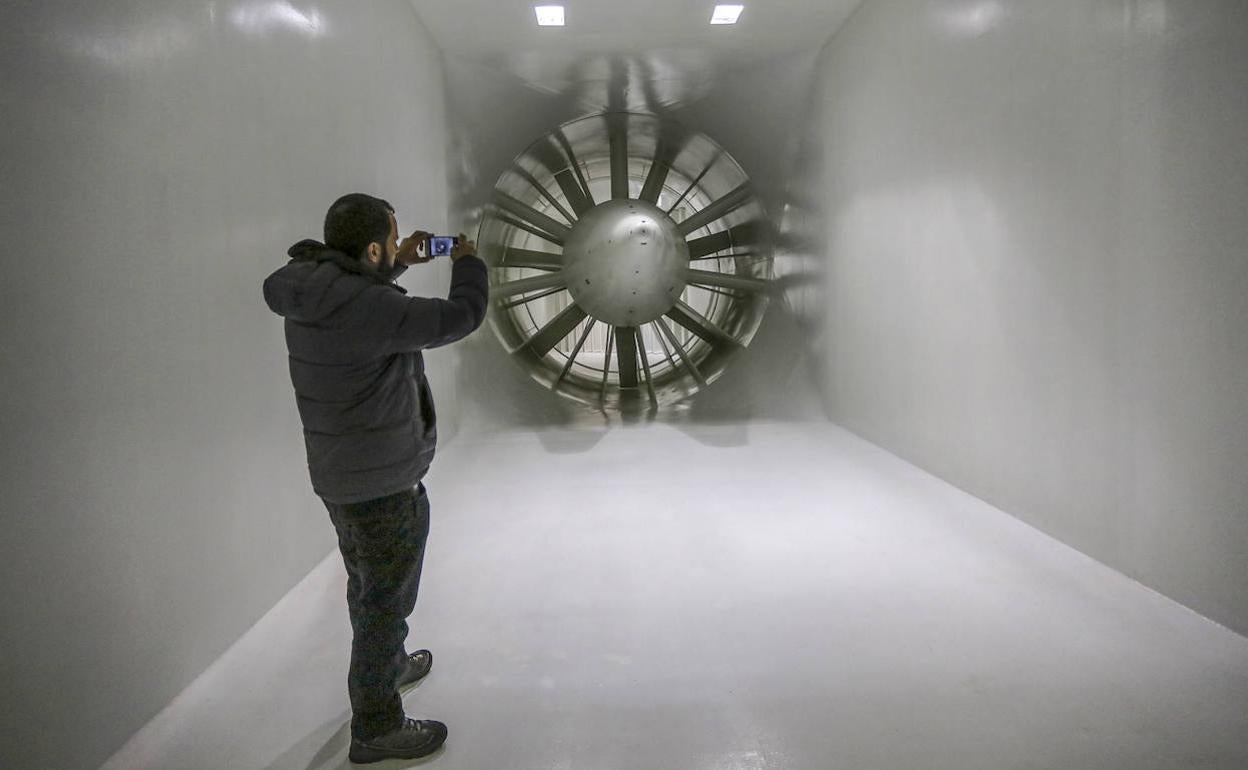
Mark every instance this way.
x=356 y=220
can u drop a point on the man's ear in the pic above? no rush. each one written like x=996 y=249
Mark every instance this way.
x=373 y=253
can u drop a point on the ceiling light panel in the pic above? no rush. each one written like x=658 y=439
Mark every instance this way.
x=727 y=14
x=549 y=15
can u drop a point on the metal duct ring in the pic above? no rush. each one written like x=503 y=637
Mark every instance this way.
x=630 y=260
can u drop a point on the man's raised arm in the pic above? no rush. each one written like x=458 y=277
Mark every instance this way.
x=415 y=323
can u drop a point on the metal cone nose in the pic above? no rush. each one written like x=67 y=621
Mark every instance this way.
x=625 y=262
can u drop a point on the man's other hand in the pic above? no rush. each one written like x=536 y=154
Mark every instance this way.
x=465 y=248
x=409 y=252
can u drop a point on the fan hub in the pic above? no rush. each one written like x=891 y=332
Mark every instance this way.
x=625 y=262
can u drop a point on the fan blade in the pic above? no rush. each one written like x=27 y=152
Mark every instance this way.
x=739 y=235
x=684 y=357
x=700 y=325
x=586 y=195
x=516 y=223
x=664 y=155
x=709 y=244
x=626 y=355
x=645 y=362
x=655 y=178
x=726 y=280
x=617 y=136
x=694 y=183
x=556 y=329
x=536 y=283
x=576 y=196
x=667 y=352
x=606 y=362
x=531 y=297
x=531 y=215
x=542 y=191
x=539 y=260
x=561 y=166
x=580 y=343
x=720 y=208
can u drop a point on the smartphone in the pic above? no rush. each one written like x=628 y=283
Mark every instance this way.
x=440 y=245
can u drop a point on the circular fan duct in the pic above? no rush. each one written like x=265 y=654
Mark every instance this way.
x=629 y=260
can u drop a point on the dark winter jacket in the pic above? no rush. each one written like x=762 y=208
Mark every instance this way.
x=354 y=340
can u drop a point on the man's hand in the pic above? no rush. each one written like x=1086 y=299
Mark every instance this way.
x=410 y=248
x=465 y=248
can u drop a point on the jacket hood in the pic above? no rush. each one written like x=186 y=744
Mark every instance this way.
x=317 y=281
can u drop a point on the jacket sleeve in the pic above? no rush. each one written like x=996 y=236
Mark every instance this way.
x=403 y=323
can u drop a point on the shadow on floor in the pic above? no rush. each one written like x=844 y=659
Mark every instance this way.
x=327 y=744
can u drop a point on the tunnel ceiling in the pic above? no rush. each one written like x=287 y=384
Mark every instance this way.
x=667 y=52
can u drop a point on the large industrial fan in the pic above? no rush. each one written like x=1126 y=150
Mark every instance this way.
x=630 y=260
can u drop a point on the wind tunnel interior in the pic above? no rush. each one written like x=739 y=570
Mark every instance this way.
x=949 y=474
x=733 y=347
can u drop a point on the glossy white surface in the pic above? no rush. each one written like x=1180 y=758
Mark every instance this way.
x=753 y=596
x=1029 y=222
x=158 y=160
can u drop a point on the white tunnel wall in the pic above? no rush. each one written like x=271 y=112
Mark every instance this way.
x=159 y=158
x=1030 y=219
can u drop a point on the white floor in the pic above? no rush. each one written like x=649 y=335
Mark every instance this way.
x=733 y=597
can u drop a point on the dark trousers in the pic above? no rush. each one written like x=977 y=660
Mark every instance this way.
x=383 y=546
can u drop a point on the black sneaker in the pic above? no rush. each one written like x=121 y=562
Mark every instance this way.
x=415 y=739
x=418 y=665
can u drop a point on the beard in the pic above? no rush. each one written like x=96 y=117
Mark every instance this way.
x=388 y=272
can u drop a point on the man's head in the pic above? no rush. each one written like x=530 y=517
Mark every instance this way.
x=363 y=227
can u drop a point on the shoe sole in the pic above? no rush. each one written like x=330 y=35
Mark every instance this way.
x=368 y=756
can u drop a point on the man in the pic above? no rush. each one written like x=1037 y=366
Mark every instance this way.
x=369 y=427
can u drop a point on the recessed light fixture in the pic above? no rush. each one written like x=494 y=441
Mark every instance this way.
x=727 y=14
x=549 y=15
